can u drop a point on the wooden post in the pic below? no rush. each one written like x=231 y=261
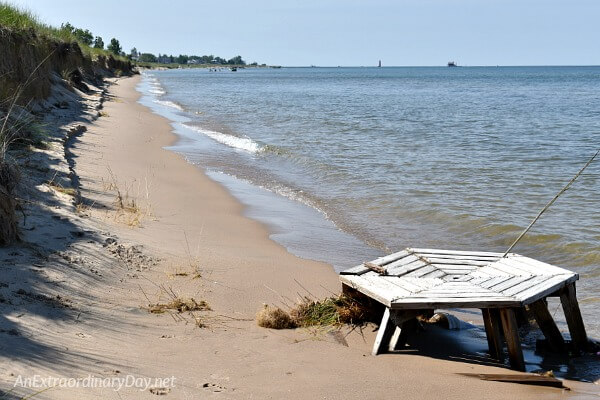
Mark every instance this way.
x=568 y=298
x=493 y=331
x=511 y=334
x=401 y=335
x=384 y=334
x=547 y=325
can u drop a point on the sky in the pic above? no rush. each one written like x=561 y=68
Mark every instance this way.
x=345 y=32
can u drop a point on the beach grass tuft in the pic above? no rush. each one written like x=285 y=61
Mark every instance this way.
x=331 y=311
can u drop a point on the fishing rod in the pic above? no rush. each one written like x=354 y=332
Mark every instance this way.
x=567 y=186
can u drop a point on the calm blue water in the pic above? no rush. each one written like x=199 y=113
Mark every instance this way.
x=387 y=158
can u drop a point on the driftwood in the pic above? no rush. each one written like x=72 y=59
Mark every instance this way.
x=538 y=380
x=376 y=268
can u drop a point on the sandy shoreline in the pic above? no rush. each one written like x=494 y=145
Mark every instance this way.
x=181 y=233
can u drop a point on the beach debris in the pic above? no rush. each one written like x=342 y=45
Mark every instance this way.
x=546 y=379
x=446 y=320
x=331 y=311
x=159 y=391
x=131 y=255
x=375 y=267
x=274 y=318
x=180 y=305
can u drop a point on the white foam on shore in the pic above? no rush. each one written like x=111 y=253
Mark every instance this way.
x=236 y=142
x=156 y=91
x=168 y=103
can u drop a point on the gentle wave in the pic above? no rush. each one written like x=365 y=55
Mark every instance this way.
x=236 y=142
x=157 y=91
x=168 y=103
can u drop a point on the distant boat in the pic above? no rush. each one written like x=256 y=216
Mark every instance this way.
x=452 y=64
x=233 y=69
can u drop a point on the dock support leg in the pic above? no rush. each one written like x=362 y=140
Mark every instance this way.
x=568 y=298
x=547 y=325
x=511 y=334
x=384 y=334
x=493 y=331
x=404 y=330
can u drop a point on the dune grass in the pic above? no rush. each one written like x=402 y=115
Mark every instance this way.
x=21 y=19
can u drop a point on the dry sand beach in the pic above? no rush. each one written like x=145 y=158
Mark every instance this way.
x=75 y=295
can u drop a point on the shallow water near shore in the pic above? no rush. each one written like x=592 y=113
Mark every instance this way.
x=345 y=164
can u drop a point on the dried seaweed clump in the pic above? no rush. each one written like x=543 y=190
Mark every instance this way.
x=274 y=318
x=332 y=311
x=180 y=305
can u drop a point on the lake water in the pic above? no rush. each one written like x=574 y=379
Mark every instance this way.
x=346 y=164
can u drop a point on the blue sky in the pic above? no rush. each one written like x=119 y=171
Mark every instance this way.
x=346 y=32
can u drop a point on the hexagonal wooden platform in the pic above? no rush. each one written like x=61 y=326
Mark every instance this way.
x=426 y=279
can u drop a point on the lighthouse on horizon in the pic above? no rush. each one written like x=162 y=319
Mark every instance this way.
x=379 y=64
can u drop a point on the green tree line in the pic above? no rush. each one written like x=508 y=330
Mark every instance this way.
x=187 y=59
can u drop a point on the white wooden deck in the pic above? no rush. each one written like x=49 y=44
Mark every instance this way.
x=414 y=280
x=430 y=278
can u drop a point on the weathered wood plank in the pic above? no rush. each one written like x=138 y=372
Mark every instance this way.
x=570 y=306
x=544 y=289
x=434 y=295
x=457 y=262
x=382 y=295
x=547 y=325
x=381 y=261
x=449 y=271
x=359 y=269
x=513 y=263
x=455 y=252
x=405 y=265
x=539 y=266
x=434 y=274
x=494 y=281
x=408 y=329
x=511 y=335
x=537 y=380
x=466 y=302
x=461 y=257
x=384 y=334
x=404 y=284
x=510 y=283
x=421 y=271
x=493 y=332
x=507 y=269
x=525 y=285
x=375 y=267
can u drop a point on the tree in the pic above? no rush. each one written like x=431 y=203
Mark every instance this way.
x=81 y=35
x=98 y=43
x=147 y=57
x=114 y=47
x=134 y=53
x=237 y=60
x=182 y=59
x=84 y=36
x=67 y=27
